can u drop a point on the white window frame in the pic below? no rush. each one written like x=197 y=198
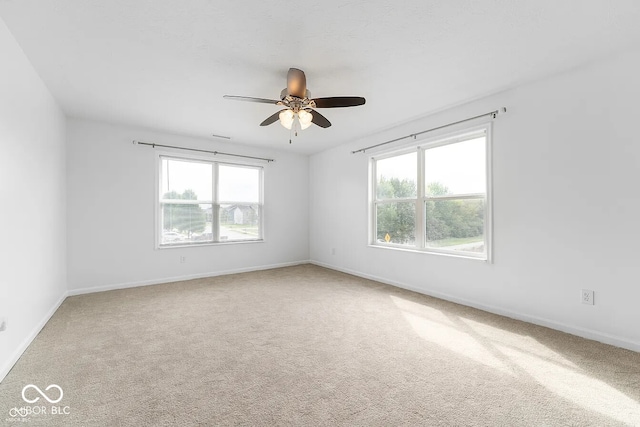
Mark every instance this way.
x=421 y=198
x=215 y=203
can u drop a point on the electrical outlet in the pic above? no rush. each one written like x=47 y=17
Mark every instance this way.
x=587 y=296
x=3 y=324
x=333 y=251
x=183 y=259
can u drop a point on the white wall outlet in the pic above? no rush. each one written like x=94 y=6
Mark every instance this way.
x=587 y=296
x=3 y=324
x=333 y=251
x=183 y=259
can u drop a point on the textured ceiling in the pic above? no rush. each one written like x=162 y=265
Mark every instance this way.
x=166 y=64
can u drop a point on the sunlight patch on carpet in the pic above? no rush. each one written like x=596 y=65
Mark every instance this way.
x=590 y=393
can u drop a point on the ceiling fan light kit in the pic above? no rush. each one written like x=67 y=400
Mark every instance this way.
x=299 y=106
x=286 y=118
x=305 y=118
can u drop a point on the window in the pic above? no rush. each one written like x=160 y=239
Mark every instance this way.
x=434 y=198
x=396 y=194
x=204 y=202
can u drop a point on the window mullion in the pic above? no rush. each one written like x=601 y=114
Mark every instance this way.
x=374 y=206
x=398 y=200
x=185 y=202
x=261 y=204
x=420 y=211
x=215 y=207
x=457 y=196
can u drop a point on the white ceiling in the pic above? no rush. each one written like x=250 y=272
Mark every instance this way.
x=166 y=64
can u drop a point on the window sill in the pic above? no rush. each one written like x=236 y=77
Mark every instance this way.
x=432 y=252
x=197 y=245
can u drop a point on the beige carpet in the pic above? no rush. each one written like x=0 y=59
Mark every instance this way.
x=310 y=346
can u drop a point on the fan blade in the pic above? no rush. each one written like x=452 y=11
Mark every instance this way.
x=319 y=119
x=339 y=101
x=251 y=99
x=272 y=118
x=296 y=83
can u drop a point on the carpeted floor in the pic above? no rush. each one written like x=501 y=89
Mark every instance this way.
x=309 y=346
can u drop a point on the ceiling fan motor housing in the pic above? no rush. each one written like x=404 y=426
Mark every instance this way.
x=285 y=93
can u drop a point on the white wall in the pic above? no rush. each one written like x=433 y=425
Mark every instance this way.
x=111 y=211
x=32 y=190
x=566 y=168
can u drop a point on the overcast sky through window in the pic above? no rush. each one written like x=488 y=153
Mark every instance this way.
x=237 y=184
x=460 y=166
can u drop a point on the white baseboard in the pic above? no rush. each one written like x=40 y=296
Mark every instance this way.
x=111 y=287
x=570 y=329
x=4 y=370
x=574 y=330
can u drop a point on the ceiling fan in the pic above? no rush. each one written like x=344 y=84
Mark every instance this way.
x=299 y=104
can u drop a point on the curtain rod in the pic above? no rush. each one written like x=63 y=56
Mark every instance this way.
x=151 y=144
x=414 y=135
